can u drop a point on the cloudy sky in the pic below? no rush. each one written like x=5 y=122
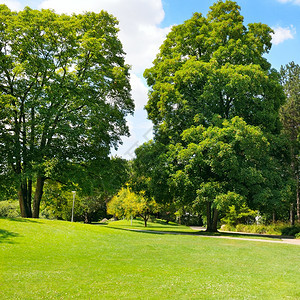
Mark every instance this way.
x=145 y=23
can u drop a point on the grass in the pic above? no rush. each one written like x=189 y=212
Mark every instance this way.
x=42 y=259
x=171 y=227
x=157 y=225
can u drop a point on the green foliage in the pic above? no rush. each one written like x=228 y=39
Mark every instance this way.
x=58 y=199
x=57 y=202
x=210 y=66
x=291 y=230
x=64 y=97
x=290 y=111
x=278 y=228
x=9 y=209
x=227 y=165
x=128 y=204
x=290 y=117
x=242 y=214
x=214 y=100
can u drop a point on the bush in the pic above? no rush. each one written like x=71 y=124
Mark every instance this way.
x=236 y=215
x=297 y=236
x=291 y=230
x=278 y=228
x=9 y=209
x=226 y=227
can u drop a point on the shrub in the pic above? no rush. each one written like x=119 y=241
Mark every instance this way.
x=9 y=209
x=291 y=230
x=297 y=236
x=226 y=227
x=278 y=228
x=242 y=214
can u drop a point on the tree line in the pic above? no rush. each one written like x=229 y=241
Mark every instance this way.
x=226 y=124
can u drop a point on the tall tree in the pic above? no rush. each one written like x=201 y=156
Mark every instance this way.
x=290 y=117
x=210 y=69
x=214 y=65
x=65 y=93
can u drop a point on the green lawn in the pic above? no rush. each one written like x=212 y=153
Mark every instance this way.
x=41 y=259
x=157 y=225
x=160 y=225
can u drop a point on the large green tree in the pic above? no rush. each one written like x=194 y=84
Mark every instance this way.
x=214 y=65
x=226 y=164
x=65 y=93
x=210 y=69
x=290 y=116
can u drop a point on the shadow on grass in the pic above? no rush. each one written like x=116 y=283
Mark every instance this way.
x=202 y=233
x=145 y=230
x=5 y=236
x=249 y=235
x=22 y=220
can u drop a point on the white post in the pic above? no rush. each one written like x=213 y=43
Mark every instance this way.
x=74 y=193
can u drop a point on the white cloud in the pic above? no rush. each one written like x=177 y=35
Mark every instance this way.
x=13 y=5
x=296 y=2
x=139 y=92
x=281 y=34
x=141 y=132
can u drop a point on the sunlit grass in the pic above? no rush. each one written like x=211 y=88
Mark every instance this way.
x=42 y=259
x=171 y=227
x=156 y=225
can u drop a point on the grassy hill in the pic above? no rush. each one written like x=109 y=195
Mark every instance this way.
x=42 y=259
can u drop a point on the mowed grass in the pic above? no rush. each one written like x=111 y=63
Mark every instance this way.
x=157 y=225
x=42 y=259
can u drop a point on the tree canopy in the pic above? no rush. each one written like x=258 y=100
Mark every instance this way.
x=129 y=204
x=290 y=116
x=223 y=165
x=65 y=93
x=214 y=65
x=214 y=100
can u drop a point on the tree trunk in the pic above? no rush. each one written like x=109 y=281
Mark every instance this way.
x=298 y=200
x=22 y=203
x=145 y=218
x=292 y=216
x=38 y=196
x=215 y=221
x=212 y=218
x=208 y=217
x=24 y=195
x=274 y=217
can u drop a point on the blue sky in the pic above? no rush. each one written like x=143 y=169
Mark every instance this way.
x=145 y=23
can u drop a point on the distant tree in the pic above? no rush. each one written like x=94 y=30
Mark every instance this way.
x=95 y=184
x=129 y=204
x=150 y=172
x=290 y=117
x=65 y=93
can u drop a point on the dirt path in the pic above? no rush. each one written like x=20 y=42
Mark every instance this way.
x=277 y=239
x=286 y=240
